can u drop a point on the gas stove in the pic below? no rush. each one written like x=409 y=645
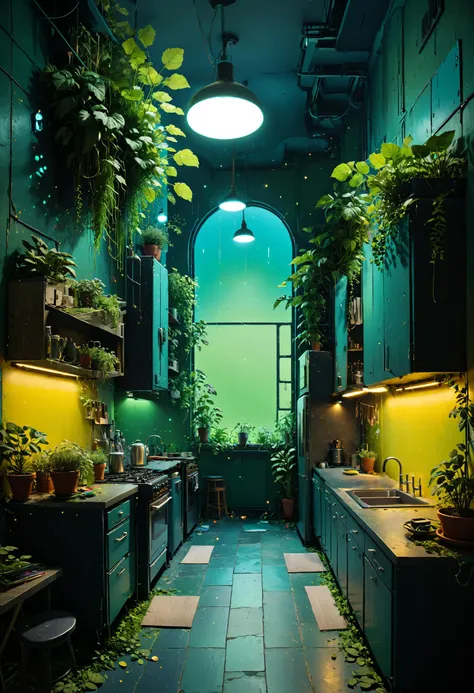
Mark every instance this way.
x=151 y=483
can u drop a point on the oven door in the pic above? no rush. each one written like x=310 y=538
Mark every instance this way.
x=193 y=488
x=159 y=520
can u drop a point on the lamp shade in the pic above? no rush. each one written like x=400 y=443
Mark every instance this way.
x=232 y=202
x=244 y=234
x=224 y=110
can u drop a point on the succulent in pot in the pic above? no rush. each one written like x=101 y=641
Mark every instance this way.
x=42 y=466
x=154 y=241
x=69 y=464
x=367 y=459
x=283 y=465
x=99 y=460
x=17 y=445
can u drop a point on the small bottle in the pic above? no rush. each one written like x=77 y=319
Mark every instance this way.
x=47 y=340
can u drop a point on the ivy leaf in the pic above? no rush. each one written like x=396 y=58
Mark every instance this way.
x=342 y=172
x=377 y=160
x=149 y=194
x=129 y=46
x=362 y=167
x=133 y=144
x=171 y=171
x=83 y=115
x=122 y=10
x=356 y=180
x=389 y=150
x=176 y=81
x=147 y=36
x=184 y=191
x=148 y=75
x=162 y=96
x=172 y=58
x=94 y=677
x=120 y=179
x=173 y=130
x=90 y=686
x=185 y=157
x=171 y=198
x=134 y=94
x=168 y=108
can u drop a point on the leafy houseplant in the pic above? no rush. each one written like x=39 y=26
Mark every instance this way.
x=98 y=358
x=107 y=117
x=42 y=465
x=39 y=260
x=283 y=465
x=9 y=562
x=88 y=292
x=153 y=241
x=205 y=412
x=17 y=445
x=266 y=438
x=99 y=460
x=367 y=459
x=453 y=479
x=69 y=463
x=243 y=431
x=285 y=428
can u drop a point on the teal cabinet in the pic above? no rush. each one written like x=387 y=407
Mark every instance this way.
x=396 y=305
x=378 y=618
x=121 y=585
x=317 y=508
x=146 y=356
x=373 y=319
x=340 y=335
x=341 y=532
x=355 y=578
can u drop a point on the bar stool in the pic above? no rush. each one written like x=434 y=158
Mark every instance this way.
x=46 y=631
x=216 y=486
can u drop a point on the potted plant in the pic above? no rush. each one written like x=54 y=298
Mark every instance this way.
x=69 y=463
x=283 y=464
x=153 y=241
x=42 y=466
x=85 y=356
x=453 y=480
x=39 y=260
x=104 y=360
x=266 y=439
x=88 y=292
x=99 y=460
x=206 y=414
x=286 y=428
x=243 y=430
x=367 y=459
x=17 y=445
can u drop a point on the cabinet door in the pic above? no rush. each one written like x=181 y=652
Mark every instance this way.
x=373 y=319
x=378 y=618
x=341 y=554
x=160 y=327
x=317 y=508
x=340 y=334
x=332 y=551
x=397 y=304
x=355 y=578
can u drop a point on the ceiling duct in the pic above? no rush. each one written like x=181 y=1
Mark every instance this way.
x=360 y=24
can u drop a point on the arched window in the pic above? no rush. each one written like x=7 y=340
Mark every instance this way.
x=248 y=359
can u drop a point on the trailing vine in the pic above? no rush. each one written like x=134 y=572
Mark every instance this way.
x=438 y=225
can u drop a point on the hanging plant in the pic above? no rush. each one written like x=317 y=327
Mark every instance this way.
x=107 y=113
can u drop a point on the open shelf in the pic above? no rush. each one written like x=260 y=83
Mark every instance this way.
x=52 y=366
x=92 y=321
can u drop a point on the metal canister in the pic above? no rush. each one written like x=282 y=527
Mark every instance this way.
x=116 y=462
x=137 y=454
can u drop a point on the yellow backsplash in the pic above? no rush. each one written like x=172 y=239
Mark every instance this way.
x=46 y=402
x=414 y=426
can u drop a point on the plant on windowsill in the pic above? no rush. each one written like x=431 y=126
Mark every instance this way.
x=99 y=460
x=41 y=463
x=367 y=459
x=266 y=439
x=39 y=260
x=153 y=242
x=283 y=466
x=243 y=432
x=17 y=445
x=69 y=464
x=205 y=413
x=285 y=428
x=453 y=480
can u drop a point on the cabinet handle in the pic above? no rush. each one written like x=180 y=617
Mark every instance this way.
x=125 y=534
x=372 y=577
x=355 y=531
x=371 y=551
x=121 y=572
x=333 y=517
x=353 y=548
x=121 y=512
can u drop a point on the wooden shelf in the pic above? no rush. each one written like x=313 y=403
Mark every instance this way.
x=174 y=322
x=80 y=320
x=44 y=365
x=355 y=350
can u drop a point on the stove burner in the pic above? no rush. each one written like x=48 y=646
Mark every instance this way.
x=137 y=476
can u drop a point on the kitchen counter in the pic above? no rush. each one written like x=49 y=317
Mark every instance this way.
x=106 y=496
x=384 y=525
x=166 y=465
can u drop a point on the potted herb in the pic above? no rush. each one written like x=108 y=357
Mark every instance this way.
x=88 y=292
x=99 y=460
x=17 y=445
x=39 y=260
x=283 y=465
x=85 y=357
x=243 y=430
x=367 y=459
x=206 y=414
x=42 y=466
x=265 y=438
x=286 y=428
x=69 y=463
x=154 y=241
x=453 y=480
x=111 y=309
x=104 y=360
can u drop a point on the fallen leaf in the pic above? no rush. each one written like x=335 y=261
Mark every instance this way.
x=123 y=665
x=154 y=658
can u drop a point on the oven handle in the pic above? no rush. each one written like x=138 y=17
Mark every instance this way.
x=162 y=505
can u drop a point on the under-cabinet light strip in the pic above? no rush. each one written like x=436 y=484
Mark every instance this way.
x=28 y=367
x=365 y=391
x=418 y=386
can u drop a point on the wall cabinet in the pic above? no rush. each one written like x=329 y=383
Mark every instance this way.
x=146 y=357
x=340 y=334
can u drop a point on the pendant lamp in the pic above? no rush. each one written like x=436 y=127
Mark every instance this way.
x=232 y=202
x=244 y=234
x=225 y=109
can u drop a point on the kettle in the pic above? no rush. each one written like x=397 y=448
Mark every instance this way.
x=138 y=453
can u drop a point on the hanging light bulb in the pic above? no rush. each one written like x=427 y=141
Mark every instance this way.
x=232 y=202
x=244 y=234
x=224 y=110
x=162 y=217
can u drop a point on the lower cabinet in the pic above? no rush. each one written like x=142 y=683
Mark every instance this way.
x=317 y=509
x=355 y=578
x=378 y=618
x=341 y=549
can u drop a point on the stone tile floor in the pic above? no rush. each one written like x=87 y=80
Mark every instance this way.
x=254 y=630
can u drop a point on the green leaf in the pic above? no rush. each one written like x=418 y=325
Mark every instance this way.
x=356 y=180
x=184 y=191
x=129 y=46
x=342 y=172
x=185 y=157
x=176 y=81
x=173 y=130
x=146 y=36
x=172 y=58
x=171 y=198
x=162 y=96
x=363 y=167
x=94 y=677
x=171 y=171
x=134 y=94
x=148 y=75
x=389 y=150
x=149 y=194
x=439 y=143
x=83 y=115
x=377 y=160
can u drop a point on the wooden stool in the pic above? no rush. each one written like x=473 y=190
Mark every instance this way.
x=216 y=486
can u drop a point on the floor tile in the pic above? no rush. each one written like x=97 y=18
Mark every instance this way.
x=209 y=627
x=251 y=538
x=187 y=570
x=304 y=612
x=122 y=680
x=248 y=565
x=286 y=671
x=171 y=638
x=245 y=621
x=247 y=590
x=215 y=595
x=243 y=682
x=189 y=586
x=245 y=654
x=300 y=580
x=279 y=617
x=203 y=671
x=329 y=675
x=218 y=576
x=273 y=560
x=313 y=637
x=163 y=675
x=275 y=578
x=249 y=551
x=222 y=561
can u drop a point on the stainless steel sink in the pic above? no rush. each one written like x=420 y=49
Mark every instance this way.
x=385 y=498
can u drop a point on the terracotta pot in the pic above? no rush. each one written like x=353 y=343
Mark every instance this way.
x=99 y=471
x=243 y=438
x=316 y=346
x=21 y=485
x=85 y=360
x=455 y=527
x=44 y=483
x=151 y=250
x=65 y=483
x=203 y=434
x=288 y=506
x=368 y=464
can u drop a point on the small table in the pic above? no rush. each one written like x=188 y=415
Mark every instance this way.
x=13 y=598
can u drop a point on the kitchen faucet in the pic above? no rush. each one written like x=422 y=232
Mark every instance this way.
x=161 y=445
x=401 y=483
